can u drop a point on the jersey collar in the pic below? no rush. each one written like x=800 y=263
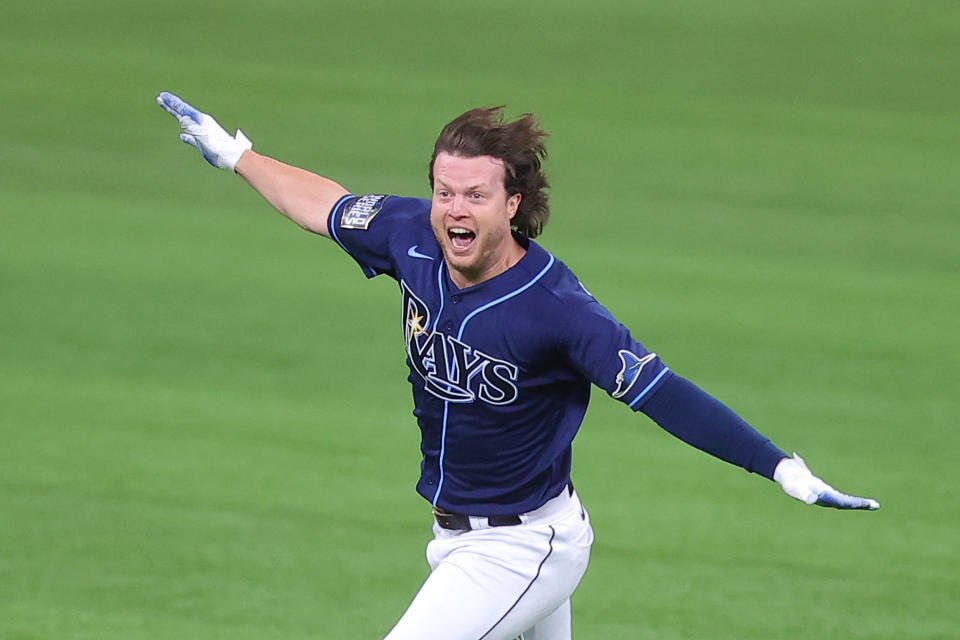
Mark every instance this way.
x=532 y=262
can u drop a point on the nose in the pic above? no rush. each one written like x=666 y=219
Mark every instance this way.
x=457 y=207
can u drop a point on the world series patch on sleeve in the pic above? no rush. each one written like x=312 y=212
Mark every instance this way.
x=361 y=212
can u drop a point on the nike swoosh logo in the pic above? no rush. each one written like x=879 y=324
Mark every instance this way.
x=413 y=253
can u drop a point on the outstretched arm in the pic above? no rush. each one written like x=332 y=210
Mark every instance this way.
x=697 y=418
x=304 y=197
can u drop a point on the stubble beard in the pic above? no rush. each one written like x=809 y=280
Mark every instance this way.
x=482 y=263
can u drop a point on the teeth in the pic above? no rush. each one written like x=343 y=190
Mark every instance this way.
x=460 y=237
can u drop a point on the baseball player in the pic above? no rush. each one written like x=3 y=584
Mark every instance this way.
x=503 y=344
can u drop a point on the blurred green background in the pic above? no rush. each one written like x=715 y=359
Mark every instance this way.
x=205 y=428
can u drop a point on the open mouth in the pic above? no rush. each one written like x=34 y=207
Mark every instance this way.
x=461 y=238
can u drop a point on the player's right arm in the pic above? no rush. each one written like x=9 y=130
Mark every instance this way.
x=304 y=197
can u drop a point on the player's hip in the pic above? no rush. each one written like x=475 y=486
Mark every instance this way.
x=559 y=526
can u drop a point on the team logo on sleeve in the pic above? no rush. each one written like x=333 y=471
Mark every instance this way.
x=630 y=368
x=451 y=369
x=361 y=211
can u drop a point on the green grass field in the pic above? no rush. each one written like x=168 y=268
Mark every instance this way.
x=205 y=429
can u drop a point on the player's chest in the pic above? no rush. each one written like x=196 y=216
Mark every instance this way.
x=461 y=345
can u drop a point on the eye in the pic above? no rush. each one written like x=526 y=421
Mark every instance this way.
x=476 y=195
x=443 y=193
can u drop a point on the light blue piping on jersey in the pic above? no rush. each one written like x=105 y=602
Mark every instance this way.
x=332 y=222
x=332 y=228
x=543 y=272
x=646 y=389
x=440 y=290
x=463 y=326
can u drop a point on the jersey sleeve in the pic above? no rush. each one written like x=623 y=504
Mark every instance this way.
x=604 y=351
x=369 y=227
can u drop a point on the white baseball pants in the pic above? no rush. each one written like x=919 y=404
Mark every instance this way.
x=501 y=583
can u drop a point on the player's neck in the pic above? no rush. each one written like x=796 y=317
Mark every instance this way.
x=465 y=278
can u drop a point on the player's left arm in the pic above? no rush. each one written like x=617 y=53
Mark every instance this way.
x=689 y=413
x=603 y=350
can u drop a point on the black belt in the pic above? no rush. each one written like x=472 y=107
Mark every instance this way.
x=460 y=522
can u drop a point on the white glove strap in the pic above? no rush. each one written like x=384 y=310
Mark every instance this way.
x=217 y=146
x=230 y=155
x=797 y=481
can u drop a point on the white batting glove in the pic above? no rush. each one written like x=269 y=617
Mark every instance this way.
x=203 y=132
x=798 y=482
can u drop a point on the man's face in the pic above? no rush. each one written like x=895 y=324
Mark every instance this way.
x=471 y=214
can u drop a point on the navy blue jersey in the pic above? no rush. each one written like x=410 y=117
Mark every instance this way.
x=501 y=371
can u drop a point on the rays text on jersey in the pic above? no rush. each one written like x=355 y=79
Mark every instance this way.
x=451 y=369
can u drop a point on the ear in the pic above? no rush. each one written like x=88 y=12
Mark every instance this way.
x=513 y=203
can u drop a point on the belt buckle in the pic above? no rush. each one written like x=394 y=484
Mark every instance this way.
x=452 y=521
